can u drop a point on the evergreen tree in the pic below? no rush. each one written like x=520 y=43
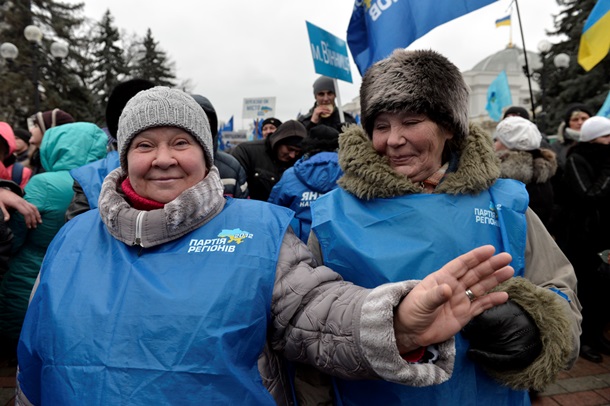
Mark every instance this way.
x=153 y=63
x=109 y=66
x=57 y=20
x=572 y=84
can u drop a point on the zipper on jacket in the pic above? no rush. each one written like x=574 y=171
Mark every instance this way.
x=138 y=240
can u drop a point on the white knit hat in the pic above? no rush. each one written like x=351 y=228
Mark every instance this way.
x=518 y=133
x=594 y=127
x=163 y=107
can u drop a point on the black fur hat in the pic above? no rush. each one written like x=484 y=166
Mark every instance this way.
x=423 y=82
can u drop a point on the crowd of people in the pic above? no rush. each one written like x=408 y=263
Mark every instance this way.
x=413 y=256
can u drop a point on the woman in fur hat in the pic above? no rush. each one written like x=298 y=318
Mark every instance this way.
x=518 y=147
x=170 y=292
x=421 y=185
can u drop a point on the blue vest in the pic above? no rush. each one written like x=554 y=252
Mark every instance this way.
x=389 y=240
x=91 y=176
x=182 y=323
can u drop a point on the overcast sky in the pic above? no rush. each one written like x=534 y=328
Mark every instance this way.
x=232 y=49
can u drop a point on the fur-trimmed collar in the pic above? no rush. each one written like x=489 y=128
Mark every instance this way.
x=369 y=175
x=194 y=207
x=526 y=166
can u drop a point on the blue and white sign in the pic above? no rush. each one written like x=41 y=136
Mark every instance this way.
x=329 y=54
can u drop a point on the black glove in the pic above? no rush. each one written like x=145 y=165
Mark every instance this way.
x=503 y=338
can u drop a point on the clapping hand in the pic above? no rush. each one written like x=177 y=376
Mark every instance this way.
x=446 y=300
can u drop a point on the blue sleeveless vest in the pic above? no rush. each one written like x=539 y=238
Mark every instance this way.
x=182 y=323
x=91 y=176
x=389 y=240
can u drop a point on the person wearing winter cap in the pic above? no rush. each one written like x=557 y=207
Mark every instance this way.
x=516 y=111
x=518 y=147
x=231 y=173
x=38 y=124
x=587 y=180
x=170 y=292
x=269 y=126
x=568 y=135
x=266 y=160
x=324 y=110
x=422 y=184
x=315 y=174
x=9 y=168
x=568 y=132
x=88 y=178
x=596 y=130
x=22 y=145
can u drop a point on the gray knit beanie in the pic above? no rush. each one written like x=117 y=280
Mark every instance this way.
x=323 y=83
x=163 y=107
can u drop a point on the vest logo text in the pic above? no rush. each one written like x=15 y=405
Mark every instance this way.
x=487 y=216
x=226 y=241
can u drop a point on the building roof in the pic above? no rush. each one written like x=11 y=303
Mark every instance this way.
x=508 y=60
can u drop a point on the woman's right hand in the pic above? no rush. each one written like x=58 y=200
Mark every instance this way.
x=438 y=307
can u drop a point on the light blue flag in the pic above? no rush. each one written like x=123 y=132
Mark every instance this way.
x=498 y=96
x=604 y=111
x=379 y=27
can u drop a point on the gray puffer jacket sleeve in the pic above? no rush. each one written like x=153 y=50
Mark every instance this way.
x=340 y=328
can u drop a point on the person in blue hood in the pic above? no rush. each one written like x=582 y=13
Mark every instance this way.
x=311 y=176
x=63 y=148
x=169 y=292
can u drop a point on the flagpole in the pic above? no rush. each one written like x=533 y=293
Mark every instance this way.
x=338 y=97
x=527 y=68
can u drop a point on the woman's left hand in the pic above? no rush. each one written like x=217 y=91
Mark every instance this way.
x=439 y=306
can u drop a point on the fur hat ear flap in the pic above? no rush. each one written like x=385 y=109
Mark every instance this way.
x=421 y=82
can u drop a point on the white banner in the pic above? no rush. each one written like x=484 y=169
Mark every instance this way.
x=259 y=107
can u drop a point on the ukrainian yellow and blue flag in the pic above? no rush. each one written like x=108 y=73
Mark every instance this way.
x=503 y=21
x=595 y=38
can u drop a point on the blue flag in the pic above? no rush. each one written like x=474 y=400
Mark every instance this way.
x=498 y=96
x=227 y=127
x=604 y=111
x=379 y=27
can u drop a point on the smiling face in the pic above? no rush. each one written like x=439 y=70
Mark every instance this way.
x=163 y=162
x=413 y=143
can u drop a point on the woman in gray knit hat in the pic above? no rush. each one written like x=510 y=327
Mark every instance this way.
x=421 y=186
x=172 y=294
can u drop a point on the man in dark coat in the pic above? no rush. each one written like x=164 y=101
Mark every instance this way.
x=266 y=160
x=324 y=111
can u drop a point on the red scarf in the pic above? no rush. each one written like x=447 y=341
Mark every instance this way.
x=137 y=201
